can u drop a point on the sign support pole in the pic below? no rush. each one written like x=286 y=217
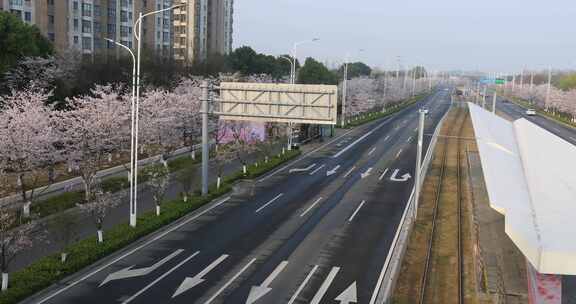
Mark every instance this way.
x=418 y=161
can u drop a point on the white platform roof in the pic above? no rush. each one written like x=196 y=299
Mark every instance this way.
x=530 y=176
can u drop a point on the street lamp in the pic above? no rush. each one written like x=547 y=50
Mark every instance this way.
x=293 y=78
x=136 y=60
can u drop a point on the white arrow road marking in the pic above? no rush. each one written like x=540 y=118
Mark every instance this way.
x=214 y=296
x=349 y=171
x=409 y=139
x=299 y=290
x=190 y=283
x=398 y=154
x=270 y=202
x=348 y=295
x=130 y=299
x=371 y=151
x=333 y=171
x=404 y=177
x=385 y=139
x=311 y=206
x=383 y=174
x=367 y=173
x=317 y=169
x=259 y=291
x=128 y=272
x=357 y=209
x=325 y=285
x=415 y=129
x=302 y=169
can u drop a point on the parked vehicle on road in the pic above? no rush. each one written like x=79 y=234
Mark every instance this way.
x=530 y=112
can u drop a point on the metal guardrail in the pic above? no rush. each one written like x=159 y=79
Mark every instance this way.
x=389 y=274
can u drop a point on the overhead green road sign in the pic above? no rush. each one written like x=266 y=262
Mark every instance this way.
x=499 y=81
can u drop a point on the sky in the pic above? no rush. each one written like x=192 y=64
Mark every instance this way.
x=489 y=35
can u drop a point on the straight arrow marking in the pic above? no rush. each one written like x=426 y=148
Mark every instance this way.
x=325 y=285
x=367 y=173
x=159 y=278
x=270 y=202
x=349 y=295
x=259 y=291
x=333 y=171
x=190 y=283
x=299 y=290
x=131 y=273
x=302 y=169
x=385 y=139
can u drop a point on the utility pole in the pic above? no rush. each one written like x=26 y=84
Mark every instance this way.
x=205 y=148
x=344 y=89
x=484 y=99
x=418 y=172
x=522 y=79
x=494 y=102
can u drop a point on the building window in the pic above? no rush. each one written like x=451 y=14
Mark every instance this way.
x=110 y=44
x=75 y=5
x=123 y=16
x=87 y=9
x=111 y=28
x=86 y=26
x=50 y=2
x=86 y=43
x=27 y=16
x=51 y=37
x=97 y=10
x=123 y=31
x=165 y=37
x=75 y=39
x=97 y=27
x=51 y=19
x=112 y=13
x=75 y=24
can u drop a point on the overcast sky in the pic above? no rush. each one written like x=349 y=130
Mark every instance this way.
x=493 y=35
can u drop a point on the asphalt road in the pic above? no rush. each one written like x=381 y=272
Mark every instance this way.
x=516 y=112
x=319 y=235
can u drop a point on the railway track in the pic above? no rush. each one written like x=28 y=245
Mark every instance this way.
x=437 y=247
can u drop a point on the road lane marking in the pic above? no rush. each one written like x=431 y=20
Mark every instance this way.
x=325 y=285
x=317 y=169
x=299 y=290
x=134 y=250
x=304 y=156
x=160 y=278
x=355 y=212
x=311 y=206
x=409 y=139
x=302 y=169
x=191 y=282
x=270 y=202
x=573 y=138
x=257 y=292
x=383 y=173
x=333 y=171
x=129 y=272
x=371 y=151
x=214 y=296
x=359 y=139
x=349 y=171
x=388 y=136
x=398 y=154
x=367 y=173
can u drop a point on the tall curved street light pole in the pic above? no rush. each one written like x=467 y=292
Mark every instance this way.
x=136 y=60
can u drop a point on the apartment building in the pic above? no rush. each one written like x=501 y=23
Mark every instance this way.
x=188 y=33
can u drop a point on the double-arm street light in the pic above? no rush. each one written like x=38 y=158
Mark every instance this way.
x=136 y=60
x=293 y=59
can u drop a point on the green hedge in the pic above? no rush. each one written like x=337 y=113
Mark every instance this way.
x=50 y=270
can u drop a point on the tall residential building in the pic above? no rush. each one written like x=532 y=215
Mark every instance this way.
x=188 y=33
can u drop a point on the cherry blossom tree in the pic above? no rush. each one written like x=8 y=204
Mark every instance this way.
x=187 y=97
x=28 y=139
x=15 y=237
x=158 y=179
x=242 y=142
x=98 y=206
x=95 y=126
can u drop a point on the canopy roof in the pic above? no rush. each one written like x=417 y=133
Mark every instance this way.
x=530 y=176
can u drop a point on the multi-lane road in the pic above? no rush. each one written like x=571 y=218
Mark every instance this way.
x=315 y=231
x=515 y=111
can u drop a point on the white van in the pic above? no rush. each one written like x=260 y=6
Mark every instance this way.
x=530 y=112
